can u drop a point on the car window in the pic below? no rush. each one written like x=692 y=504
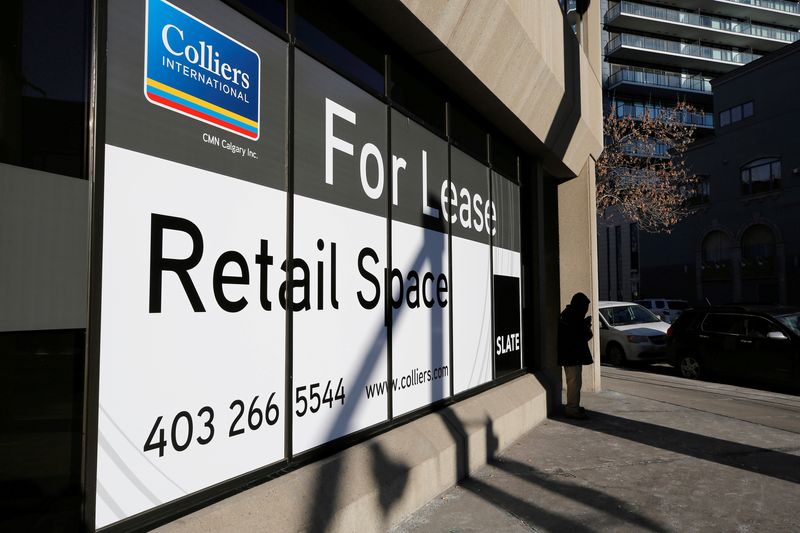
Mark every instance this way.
x=759 y=327
x=791 y=321
x=677 y=304
x=624 y=315
x=659 y=304
x=723 y=323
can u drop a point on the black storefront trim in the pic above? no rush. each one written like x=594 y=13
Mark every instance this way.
x=96 y=167
x=183 y=506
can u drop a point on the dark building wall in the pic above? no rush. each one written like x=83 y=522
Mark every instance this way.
x=770 y=133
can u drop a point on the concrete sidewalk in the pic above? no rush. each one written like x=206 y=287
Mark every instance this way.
x=658 y=454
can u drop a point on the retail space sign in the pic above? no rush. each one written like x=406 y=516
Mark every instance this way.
x=402 y=246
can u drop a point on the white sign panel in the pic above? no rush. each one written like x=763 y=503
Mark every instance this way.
x=419 y=281
x=339 y=350
x=192 y=346
x=340 y=342
x=473 y=219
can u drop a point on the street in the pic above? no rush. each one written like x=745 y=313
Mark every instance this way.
x=659 y=453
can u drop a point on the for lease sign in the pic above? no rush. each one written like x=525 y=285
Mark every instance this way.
x=398 y=262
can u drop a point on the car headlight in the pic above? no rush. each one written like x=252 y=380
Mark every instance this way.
x=638 y=339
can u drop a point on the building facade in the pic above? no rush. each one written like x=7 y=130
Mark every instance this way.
x=741 y=244
x=250 y=247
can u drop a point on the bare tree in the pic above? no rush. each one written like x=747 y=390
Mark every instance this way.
x=642 y=171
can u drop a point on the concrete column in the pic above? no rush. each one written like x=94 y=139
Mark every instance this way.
x=577 y=232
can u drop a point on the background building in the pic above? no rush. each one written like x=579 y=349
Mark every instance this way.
x=742 y=243
x=661 y=52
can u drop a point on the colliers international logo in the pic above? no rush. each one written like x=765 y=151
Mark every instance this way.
x=200 y=72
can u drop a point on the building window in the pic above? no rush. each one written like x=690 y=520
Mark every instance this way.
x=758 y=252
x=633 y=228
x=761 y=175
x=725 y=118
x=467 y=134
x=273 y=11
x=618 y=256
x=413 y=90
x=700 y=192
x=716 y=256
x=44 y=80
x=736 y=114
x=344 y=40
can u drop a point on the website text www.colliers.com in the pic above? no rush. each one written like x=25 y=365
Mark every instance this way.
x=413 y=379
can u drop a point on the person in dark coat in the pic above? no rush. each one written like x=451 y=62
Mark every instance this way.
x=574 y=332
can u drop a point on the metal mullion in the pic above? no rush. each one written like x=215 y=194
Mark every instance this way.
x=449 y=226
x=389 y=314
x=95 y=164
x=289 y=173
x=491 y=256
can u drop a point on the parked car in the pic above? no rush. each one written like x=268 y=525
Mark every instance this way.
x=667 y=309
x=756 y=342
x=629 y=332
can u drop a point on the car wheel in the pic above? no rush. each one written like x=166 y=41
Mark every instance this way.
x=690 y=367
x=616 y=356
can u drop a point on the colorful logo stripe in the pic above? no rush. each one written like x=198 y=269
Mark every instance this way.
x=191 y=105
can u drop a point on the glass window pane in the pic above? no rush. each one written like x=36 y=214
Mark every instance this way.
x=44 y=83
x=411 y=91
x=759 y=327
x=504 y=157
x=736 y=114
x=760 y=178
x=730 y=324
x=466 y=133
x=273 y=11
x=776 y=173
x=343 y=38
x=725 y=118
x=44 y=251
x=747 y=110
x=41 y=389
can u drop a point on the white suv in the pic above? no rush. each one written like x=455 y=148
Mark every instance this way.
x=667 y=310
